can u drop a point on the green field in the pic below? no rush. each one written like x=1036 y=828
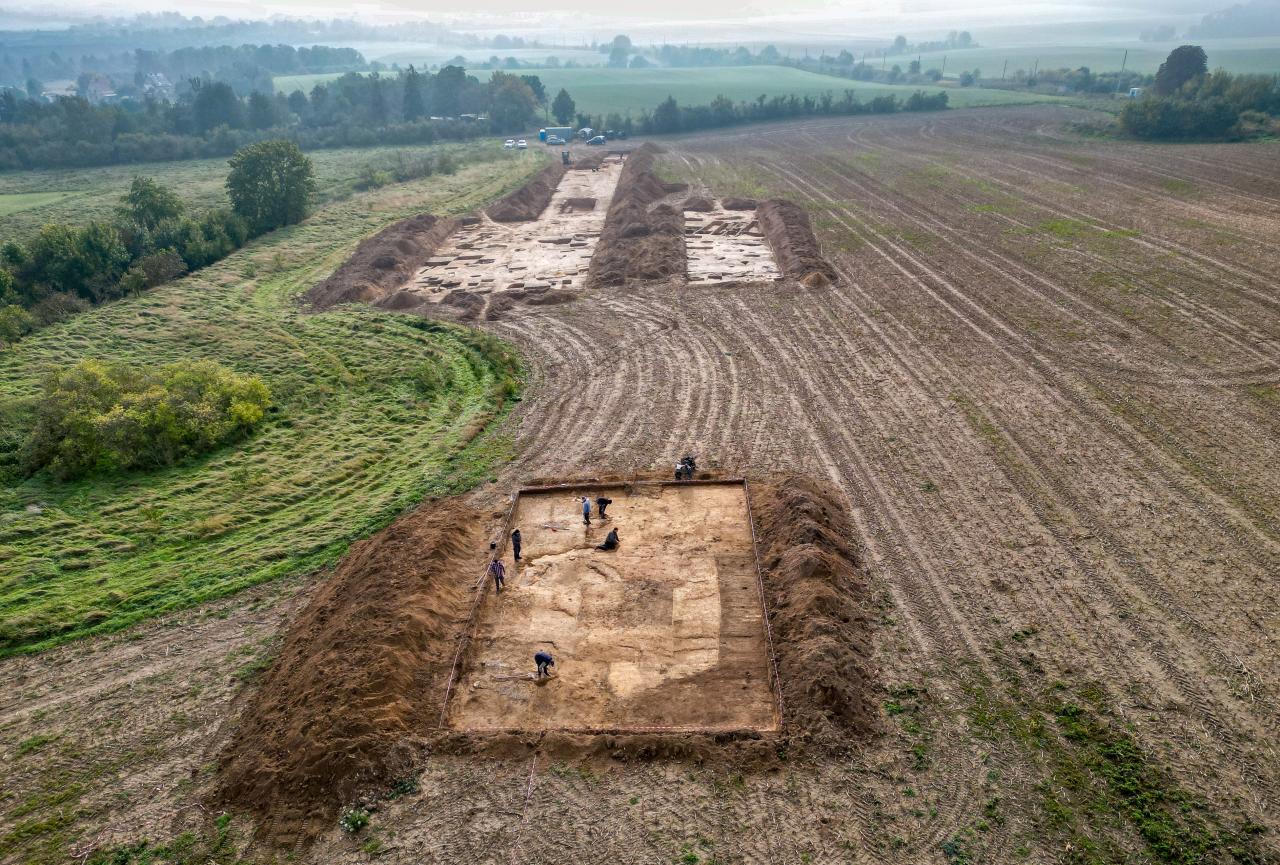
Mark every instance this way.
x=355 y=439
x=1234 y=55
x=631 y=91
x=18 y=202
x=81 y=194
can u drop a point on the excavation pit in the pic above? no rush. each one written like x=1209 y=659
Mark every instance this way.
x=552 y=251
x=666 y=633
x=723 y=246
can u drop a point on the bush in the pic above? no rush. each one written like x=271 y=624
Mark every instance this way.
x=96 y=417
x=57 y=306
x=353 y=820
x=15 y=322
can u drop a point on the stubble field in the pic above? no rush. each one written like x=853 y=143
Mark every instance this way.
x=1046 y=388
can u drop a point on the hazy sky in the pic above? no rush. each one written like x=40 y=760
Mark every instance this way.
x=680 y=20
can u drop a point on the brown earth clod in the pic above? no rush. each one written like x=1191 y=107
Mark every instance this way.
x=637 y=242
x=816 y=589
x=359 y=670
x=795 y=248
x=383 y=262
x=528 y=202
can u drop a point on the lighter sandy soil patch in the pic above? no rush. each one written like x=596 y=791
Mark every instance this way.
x=666 y=631
x=551 y=251
x=726 y=246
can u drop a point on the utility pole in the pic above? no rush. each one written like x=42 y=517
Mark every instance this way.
x=1035 y=69
x=1123 y=62
x=1004 y=69
x=944 y=65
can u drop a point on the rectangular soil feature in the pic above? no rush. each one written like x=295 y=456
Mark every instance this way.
x=664 y=632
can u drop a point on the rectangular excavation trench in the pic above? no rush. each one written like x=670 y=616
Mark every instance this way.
x=665 y=633
x=723 y=246
x=552 y=251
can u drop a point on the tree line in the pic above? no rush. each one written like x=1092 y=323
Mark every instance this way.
x=211 y=119
x=1186 y=101
x=150 y=240
x=671 y=117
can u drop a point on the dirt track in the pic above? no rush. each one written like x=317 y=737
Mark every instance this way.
x=1045 y=384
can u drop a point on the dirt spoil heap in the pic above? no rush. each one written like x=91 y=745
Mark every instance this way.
x=383 y=262
x=528 y=202
x=817 y=590
x=795 y=248
x=699 y=204
x=639 y=241
x=735 y=203
x=362 y=669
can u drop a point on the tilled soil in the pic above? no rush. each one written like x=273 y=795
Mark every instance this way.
x=1045 y=388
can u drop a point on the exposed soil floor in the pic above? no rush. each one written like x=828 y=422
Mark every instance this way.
x=677 y=604
x=551 y=251
x=726 y=246
x=1047 y=387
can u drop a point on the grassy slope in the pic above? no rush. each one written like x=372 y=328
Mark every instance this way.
x=28 y=199
x=353 y=444
x=599 y=91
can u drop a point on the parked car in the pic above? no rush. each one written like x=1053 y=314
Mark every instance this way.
x=509 y=143
x=522 y=144
x=599 y=139
x=555 y=139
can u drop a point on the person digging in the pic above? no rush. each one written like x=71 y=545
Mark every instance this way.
x=544 y=661
x=610 y=542
x=601 y=504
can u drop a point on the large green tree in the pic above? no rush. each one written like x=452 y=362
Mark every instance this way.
x=620 y=51
x=1182 y=65
x=147 y=203
x=414 y=106
x=512 y=105
x=215 y=104
x=271 y=184
x=562 y=107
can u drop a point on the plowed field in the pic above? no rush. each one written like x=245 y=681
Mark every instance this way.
x=1046 y=386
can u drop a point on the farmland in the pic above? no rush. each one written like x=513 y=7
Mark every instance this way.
x=1261 y=55
x=1045 y=389
x=132 y=546
x=599 y=90
x=29 y=199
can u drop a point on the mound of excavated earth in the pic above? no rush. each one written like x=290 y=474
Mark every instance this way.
x=795 y=248
x=639 y=242
x=816 y=587
x=383 y=262
x=361 y=670
x=528 y=202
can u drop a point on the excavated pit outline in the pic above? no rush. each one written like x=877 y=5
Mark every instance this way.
x=646 y=638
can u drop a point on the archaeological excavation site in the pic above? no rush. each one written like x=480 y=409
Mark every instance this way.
x=604 y=219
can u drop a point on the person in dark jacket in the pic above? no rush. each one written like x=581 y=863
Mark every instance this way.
x=516 y=540
x=601 y=504
x=544 y=660
x=610 y=541
x=497 y=570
